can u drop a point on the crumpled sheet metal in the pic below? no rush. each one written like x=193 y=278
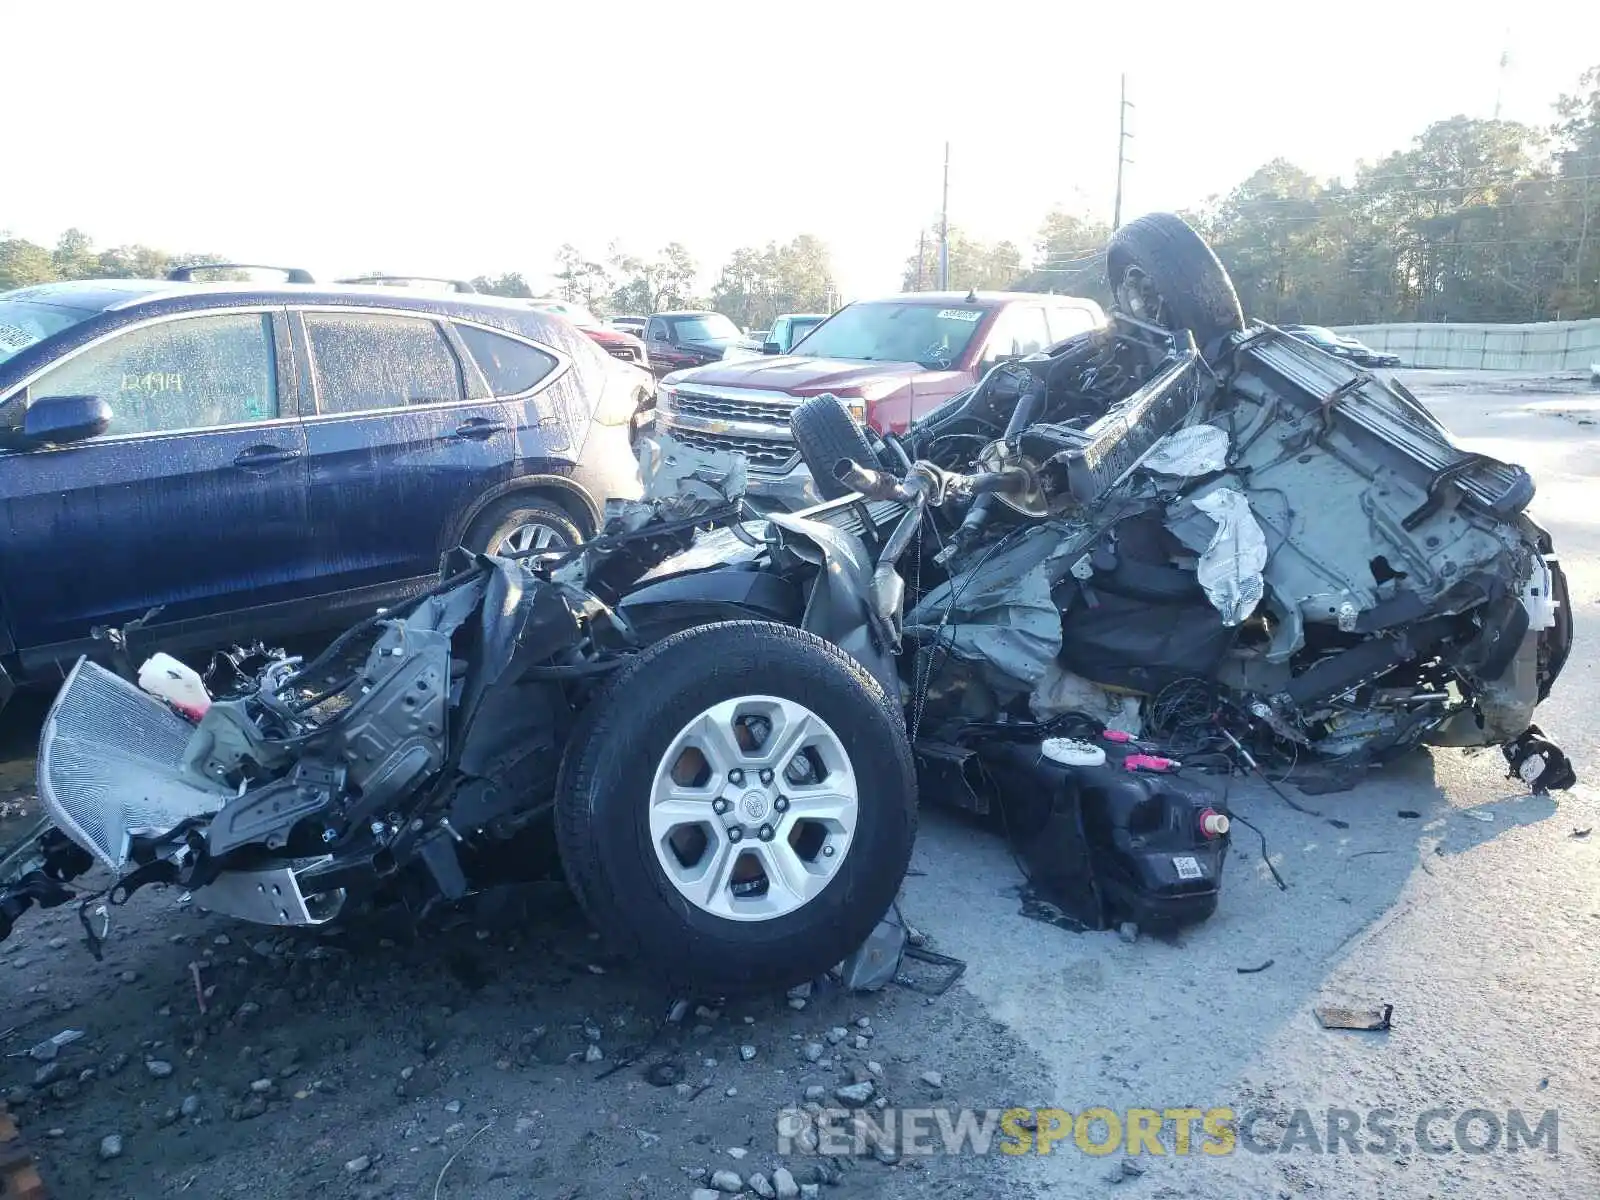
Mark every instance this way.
x=1017 y=631
x=713 y=548
x=1197 y=450
x=1231 y=565
x=1004 y=615
x=678 y=476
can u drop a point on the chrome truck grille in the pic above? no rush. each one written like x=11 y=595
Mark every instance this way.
x=761 y=454
x=737 y=420
x=722 y=407
x=110 y=765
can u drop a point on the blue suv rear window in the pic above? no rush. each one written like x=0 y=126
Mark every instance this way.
x=368 y=362
x=510 y=367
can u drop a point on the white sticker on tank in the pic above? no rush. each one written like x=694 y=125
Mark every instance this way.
x=1188 y=868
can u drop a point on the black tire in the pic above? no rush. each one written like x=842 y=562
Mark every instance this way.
x=825 y=432
x=602 y=801
x=1184 y=284
x=509 y=513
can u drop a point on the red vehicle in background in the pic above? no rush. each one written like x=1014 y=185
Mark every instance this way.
x=613 y=341
x=889 y=360
x=683 y=339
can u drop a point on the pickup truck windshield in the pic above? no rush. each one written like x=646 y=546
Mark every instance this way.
x=713 y=327
x=887 y=331
x=23 y=323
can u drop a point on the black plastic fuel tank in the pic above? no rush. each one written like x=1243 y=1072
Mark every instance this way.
x=1108 y=844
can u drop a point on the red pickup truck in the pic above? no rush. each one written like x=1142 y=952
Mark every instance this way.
x=890 y=360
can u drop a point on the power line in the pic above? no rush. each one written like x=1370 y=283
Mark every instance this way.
x=1066 y=260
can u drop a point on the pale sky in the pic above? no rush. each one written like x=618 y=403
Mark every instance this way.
x=469 y=137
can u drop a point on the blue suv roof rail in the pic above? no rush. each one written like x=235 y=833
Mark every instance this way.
x=456 y=285
x=187 y=274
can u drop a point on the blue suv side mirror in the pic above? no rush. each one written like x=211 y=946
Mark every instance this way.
x=54 y=420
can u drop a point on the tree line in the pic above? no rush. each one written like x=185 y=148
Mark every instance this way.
x=756 y=284
x=1477 y=220
x=23 y=263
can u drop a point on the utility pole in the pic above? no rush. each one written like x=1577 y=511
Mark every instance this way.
x=1122 y=152
x=922 y=248
x=1500 y=79
x=944 y=226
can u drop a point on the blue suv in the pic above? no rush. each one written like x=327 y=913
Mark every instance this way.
x=256 y=461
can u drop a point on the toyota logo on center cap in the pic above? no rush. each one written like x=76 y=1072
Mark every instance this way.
x=754 y=805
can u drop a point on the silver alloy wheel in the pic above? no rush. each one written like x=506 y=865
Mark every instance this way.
x=529 y=538
x=753 y=808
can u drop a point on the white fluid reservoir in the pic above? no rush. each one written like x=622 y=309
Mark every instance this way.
x=1070 y=752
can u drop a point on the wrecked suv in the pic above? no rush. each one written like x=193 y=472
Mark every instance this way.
x=1175 y=534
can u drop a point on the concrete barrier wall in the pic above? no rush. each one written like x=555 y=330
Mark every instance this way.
x=1546 y=346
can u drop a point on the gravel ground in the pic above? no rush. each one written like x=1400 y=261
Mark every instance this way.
x=500 y=1054
x=507 y=1047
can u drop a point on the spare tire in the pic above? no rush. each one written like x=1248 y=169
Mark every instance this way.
x=825 y=432
x=1163 y=272
x=737 y=808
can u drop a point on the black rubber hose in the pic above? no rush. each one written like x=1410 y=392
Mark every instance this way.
x=355 y=631
x=894 y=443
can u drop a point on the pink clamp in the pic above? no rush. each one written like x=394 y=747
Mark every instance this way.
x=1148 y=762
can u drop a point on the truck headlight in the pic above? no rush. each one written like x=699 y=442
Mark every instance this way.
x=856 y=405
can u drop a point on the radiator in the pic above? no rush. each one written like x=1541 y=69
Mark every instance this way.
x=109 y=765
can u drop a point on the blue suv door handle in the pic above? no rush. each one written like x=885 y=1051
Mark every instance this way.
x=264 y=456
x=479 y=427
